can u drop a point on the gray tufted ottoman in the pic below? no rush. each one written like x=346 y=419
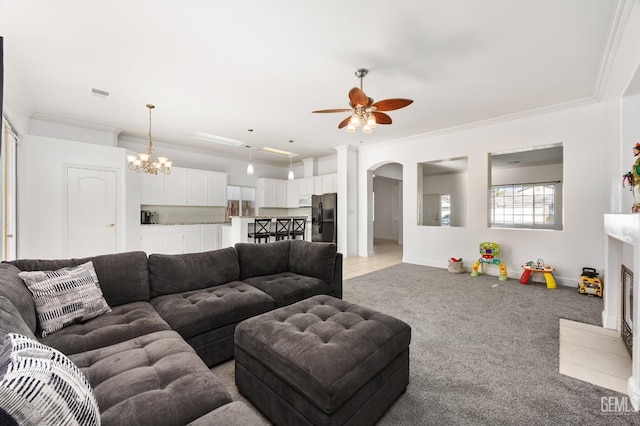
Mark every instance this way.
x=322 y=361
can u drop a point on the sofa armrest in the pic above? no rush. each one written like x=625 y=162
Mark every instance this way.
x=336 y=283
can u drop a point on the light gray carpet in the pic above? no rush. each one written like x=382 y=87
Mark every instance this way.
x=483 y=351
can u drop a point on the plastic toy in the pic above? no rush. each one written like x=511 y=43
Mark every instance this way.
x=538 y=266
x=590 y=283
x=489 y=253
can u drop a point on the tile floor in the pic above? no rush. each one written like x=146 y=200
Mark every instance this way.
x=386 y=253
x=594 y=354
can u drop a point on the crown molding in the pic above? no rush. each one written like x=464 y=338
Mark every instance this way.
x=616 y=32
x=75 y=123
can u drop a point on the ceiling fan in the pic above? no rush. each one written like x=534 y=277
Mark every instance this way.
x=364 y=110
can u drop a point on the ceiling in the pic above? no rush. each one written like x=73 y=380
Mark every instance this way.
x=225 y=67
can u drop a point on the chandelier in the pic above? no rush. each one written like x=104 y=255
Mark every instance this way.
x=145 y=162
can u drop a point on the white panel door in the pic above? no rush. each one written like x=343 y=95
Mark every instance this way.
x=92 y=211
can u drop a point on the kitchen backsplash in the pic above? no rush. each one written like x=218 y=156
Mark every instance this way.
x=170 y=215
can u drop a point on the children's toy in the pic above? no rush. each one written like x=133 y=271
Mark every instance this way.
x=590 y=282
x=455 y=265
x=538 y=266
x=489 y=253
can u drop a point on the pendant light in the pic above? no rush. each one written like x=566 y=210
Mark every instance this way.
x=290 y=176
x=250 y=166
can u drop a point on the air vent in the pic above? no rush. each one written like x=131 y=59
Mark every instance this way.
x=100 y=93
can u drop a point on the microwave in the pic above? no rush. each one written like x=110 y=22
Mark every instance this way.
x=304 y=200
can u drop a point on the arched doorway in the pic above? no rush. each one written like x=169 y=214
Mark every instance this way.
x=385 y=228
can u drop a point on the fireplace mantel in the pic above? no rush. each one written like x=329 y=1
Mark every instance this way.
x=623 y=228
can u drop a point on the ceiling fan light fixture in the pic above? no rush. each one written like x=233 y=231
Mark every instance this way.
x=366 y=129
x=351 y=128
x=355 y=121
x=371 y=121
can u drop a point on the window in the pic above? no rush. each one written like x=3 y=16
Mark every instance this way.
x=528 y=205
x=240 y=201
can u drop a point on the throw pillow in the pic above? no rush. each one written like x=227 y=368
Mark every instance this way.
x=41 y=386
x=65 y=296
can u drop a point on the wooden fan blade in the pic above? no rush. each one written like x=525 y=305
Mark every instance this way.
x=344 y=122
x=382 y=118
x=357 y=97
x=391 y=104
x=334 y=110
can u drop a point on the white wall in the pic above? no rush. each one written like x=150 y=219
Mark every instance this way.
x=586 y=194
x=456 y=185
x=42 y=191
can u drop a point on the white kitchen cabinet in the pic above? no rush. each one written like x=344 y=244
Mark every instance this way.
x=179 y=239
x=329 y=183
x=176 y=187
x=191 y=239
x=210 y=237
x=197 y=187
x=151 y=239
x=172 y=240
x=152 y=189
x=218 y=189
x=317 y=185
x=309 y=185
x=293 y=193
x=271 y=192
x=280 y=189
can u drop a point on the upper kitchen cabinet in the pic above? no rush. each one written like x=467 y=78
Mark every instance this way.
x=218 y=188
x=329 y=183
x=271 y=192
x=152 y=189
x=185 y=187
x=176 y=187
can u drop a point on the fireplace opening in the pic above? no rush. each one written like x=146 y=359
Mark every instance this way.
x=627 y=308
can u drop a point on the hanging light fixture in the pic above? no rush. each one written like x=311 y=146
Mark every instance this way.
x=145 y=162
x=250 y=166
x=290 y=176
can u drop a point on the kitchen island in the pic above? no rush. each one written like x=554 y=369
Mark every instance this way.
x=242 y=225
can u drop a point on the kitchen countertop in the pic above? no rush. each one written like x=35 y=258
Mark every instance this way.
x=184 y=224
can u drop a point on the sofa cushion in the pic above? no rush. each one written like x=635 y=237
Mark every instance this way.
x=124 y=322
x=195 y=312
x=287 y=287
x=124 y=277
x=263 y=259
x=11 y=320
x=65 y=296
x=41 y=386
x=171 y=274
x=313 y=259
x=12 y=287
x=155 y=379
x=236 y=413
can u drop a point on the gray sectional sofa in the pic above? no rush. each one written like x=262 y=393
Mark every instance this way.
x=172 y=317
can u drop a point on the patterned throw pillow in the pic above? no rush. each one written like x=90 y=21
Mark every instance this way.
x=65 y=296
x=41 y=386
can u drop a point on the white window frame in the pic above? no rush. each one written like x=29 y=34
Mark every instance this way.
x=536 y=200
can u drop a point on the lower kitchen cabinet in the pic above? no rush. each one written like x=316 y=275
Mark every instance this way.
x=179 y=239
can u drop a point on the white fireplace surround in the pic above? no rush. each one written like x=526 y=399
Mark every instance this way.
x=619 y=229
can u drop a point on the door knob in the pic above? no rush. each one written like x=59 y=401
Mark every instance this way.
x=111 y=225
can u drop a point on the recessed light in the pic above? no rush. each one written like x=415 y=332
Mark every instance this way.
x=216 y=139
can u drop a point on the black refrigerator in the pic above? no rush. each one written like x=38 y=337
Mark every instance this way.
x=323 y=218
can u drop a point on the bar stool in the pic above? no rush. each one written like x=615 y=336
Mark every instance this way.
x=282 y=228
x=299 y=227
x=261 y=230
